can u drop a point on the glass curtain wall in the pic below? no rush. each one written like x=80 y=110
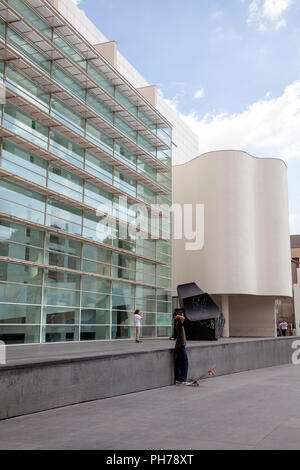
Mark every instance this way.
x=66 y=272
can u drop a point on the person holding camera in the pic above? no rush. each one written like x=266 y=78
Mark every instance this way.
x=138 y=316
x=181 y=359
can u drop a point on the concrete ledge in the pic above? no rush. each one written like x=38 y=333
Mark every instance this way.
x=38 y=385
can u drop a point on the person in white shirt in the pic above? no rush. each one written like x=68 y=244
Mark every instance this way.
x=283 y=327
x=138 y=315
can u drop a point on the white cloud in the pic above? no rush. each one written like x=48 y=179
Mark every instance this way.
x=268 y=127
x=263 y=12
x=217 y=14
x=199 y=94
x=76 y=2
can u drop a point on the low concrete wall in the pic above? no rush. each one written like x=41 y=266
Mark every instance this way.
x=236 y=357
x=30 y=388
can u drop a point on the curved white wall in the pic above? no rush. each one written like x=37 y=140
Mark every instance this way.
x=247 y=242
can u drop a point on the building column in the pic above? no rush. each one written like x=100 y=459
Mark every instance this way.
x=225 y=310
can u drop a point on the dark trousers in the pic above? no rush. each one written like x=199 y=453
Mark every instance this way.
x=283 y=332
x=181 y=364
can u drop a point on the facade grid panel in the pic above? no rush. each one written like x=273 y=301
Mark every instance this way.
x=67 y=271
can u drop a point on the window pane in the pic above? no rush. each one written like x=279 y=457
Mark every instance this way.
x=64 y=245
x=91 y=300
x=100 y=79
x=98 y=167
x=100 y=108
x=23 y=252
x=19 y=314
x=21 y=234
x=66 y=149
x=98 y=198
x=96 y=253
x=124 y=289
x=95 y=317
x=18 y=273
x=61 y=297
x=25 y=125
x=122 y=332
x=20 y=294
x=65 y=80
x=122 y=318
x=164 y=320
x=122 y=303
x=164 y=331
x=19 y=195
x=28 y=50
x=67 y=116
x=126 y=102
x=95 y=284
x=28 y=88
x=125 y=128
x=69 y=51
x=148 y=331
x=65 y=183
x=32 y=17
x=96 y=268
x=60 y=334
x=64 y=217
x=19 y=334
x=57 y=315
x=63 y=261
x=93 y=333
x=100 y=138
x=62 y=280
x=24 y=164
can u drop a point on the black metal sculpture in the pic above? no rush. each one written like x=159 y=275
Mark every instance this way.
x=203 y=318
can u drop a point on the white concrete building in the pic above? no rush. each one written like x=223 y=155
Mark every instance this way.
x=245 y=260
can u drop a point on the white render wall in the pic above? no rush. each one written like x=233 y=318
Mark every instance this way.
x=247 y=243
x=185 y=140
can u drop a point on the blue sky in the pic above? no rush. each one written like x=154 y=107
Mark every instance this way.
x=230 y=67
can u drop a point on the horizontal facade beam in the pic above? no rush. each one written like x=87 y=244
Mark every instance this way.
x=46 y=47
x=80 y=43
x=28 y=107
x=51 y=267
x=27 y=67
x=53 y=158
x=62 y=233
x=13 y=178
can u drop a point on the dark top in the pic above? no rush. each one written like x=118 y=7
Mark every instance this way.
x=179 y=334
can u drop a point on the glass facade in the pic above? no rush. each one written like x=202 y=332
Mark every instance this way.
x=75 y=256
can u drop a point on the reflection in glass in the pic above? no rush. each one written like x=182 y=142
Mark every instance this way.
x=19 y=334
x=60 y=334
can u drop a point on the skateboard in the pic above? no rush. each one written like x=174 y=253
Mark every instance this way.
x=210 y=373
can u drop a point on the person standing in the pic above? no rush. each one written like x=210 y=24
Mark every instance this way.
x=283 y=327
x=138 y=315
x=181 y=359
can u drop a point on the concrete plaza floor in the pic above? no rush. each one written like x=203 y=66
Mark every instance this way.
x=258 y=409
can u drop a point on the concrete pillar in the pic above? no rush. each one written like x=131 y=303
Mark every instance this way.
x=225 y=310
